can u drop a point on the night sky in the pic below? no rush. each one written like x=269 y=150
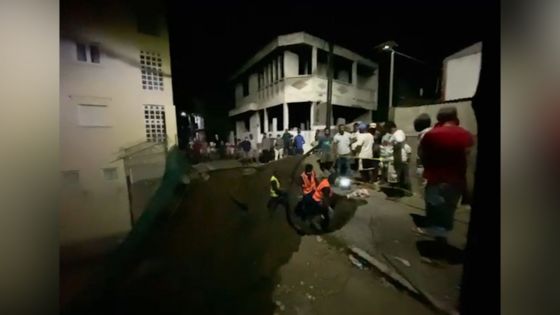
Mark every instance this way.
x=209 y=43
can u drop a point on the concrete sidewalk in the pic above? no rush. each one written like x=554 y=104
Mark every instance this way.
x=383 y=229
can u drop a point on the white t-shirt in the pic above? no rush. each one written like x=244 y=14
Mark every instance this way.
x=398 y=136
x=365 y=140
x=342 y=142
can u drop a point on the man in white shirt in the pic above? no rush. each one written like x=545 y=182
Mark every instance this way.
x=342 y=142
x=400 y=156
x=364 y=151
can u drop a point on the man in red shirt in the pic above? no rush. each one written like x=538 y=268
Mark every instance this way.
x=444 y=152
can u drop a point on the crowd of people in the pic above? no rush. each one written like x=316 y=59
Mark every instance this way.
x=380 y=152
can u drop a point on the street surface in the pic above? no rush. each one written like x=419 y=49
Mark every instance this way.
x=223 y=252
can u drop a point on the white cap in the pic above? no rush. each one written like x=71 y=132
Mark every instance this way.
x=373 y=125
x=399 y=135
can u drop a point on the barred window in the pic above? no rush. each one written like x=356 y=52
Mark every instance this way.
x=154 y=117
x=151 y=70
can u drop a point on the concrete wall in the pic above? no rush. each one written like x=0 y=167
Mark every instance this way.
x=461 y=76
x=291 y=64
x=238 y=91
x=253 y=83
x=93 y=206
x=404 y=116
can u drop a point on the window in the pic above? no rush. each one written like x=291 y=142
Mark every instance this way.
x=110 y=173
x=82 y=53
x=151 y=70
x=154 y=117
x=93 y=115
x=94 y=53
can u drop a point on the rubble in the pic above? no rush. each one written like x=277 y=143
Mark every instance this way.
x=359 y=193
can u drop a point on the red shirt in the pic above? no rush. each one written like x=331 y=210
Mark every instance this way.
x=444 y=154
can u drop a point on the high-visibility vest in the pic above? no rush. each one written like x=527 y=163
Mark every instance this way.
x=272 y=192
x=309 y=185
x=318 y=195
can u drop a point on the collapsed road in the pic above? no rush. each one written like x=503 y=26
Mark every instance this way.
x=213 y=248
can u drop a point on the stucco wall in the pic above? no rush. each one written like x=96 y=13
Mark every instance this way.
x=404 y=116
x=461 y=76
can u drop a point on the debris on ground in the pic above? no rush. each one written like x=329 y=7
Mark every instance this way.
x=310 y=297
x=359 y=193
x=302 y=283
x=319 y=239
x=402 y=260
x=356 y=262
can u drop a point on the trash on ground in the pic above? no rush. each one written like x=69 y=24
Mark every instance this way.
x=402 y=260
x=356 y=262
x=302 y=283
x=359 y=193
x=319 y=239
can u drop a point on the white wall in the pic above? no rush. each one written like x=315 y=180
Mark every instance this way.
x=291 y=64
x=253 y=83
x=461 y=76
x=96 y=207
x=404 y=116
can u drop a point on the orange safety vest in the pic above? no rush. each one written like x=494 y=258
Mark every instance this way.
x=309 y=185
x=318 y=195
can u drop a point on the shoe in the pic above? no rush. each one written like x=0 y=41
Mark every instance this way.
x=420 y=231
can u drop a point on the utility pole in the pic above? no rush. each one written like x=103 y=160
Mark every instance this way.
x=329 y=84
x=391 y=75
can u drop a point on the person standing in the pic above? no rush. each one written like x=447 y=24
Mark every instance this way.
x=254 y=148
x=364 y=151
x=325 y=149
x=266 y=146
x=343 y=153
x=277 y=195
x=287 y=140
x=422 y=124
x=278 y=148
x=444 y=151
x=299 y=141
x=245 y=147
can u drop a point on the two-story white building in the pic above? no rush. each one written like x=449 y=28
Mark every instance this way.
x=284 y=86
x=115 y=93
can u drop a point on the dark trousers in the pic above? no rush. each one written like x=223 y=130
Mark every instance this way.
x=274 y=202
x=441 y=203
x=313 y=208
x=403 y=171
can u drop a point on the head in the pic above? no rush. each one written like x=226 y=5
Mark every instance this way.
x=448 y=115
x=277 y=136
x=422 y=122
x=246 y=138
x=251 y=136
x=390 y=126
x=341 y=129
x=264 y=135
x=286 y=131
x=355 y=127
x=270 y=135
x=327 y=131
x=362 y=128
x=308 y=169
x=298 y=131
x=275 y=172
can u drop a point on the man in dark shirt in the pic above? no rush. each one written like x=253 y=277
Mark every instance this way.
x=444 y=152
